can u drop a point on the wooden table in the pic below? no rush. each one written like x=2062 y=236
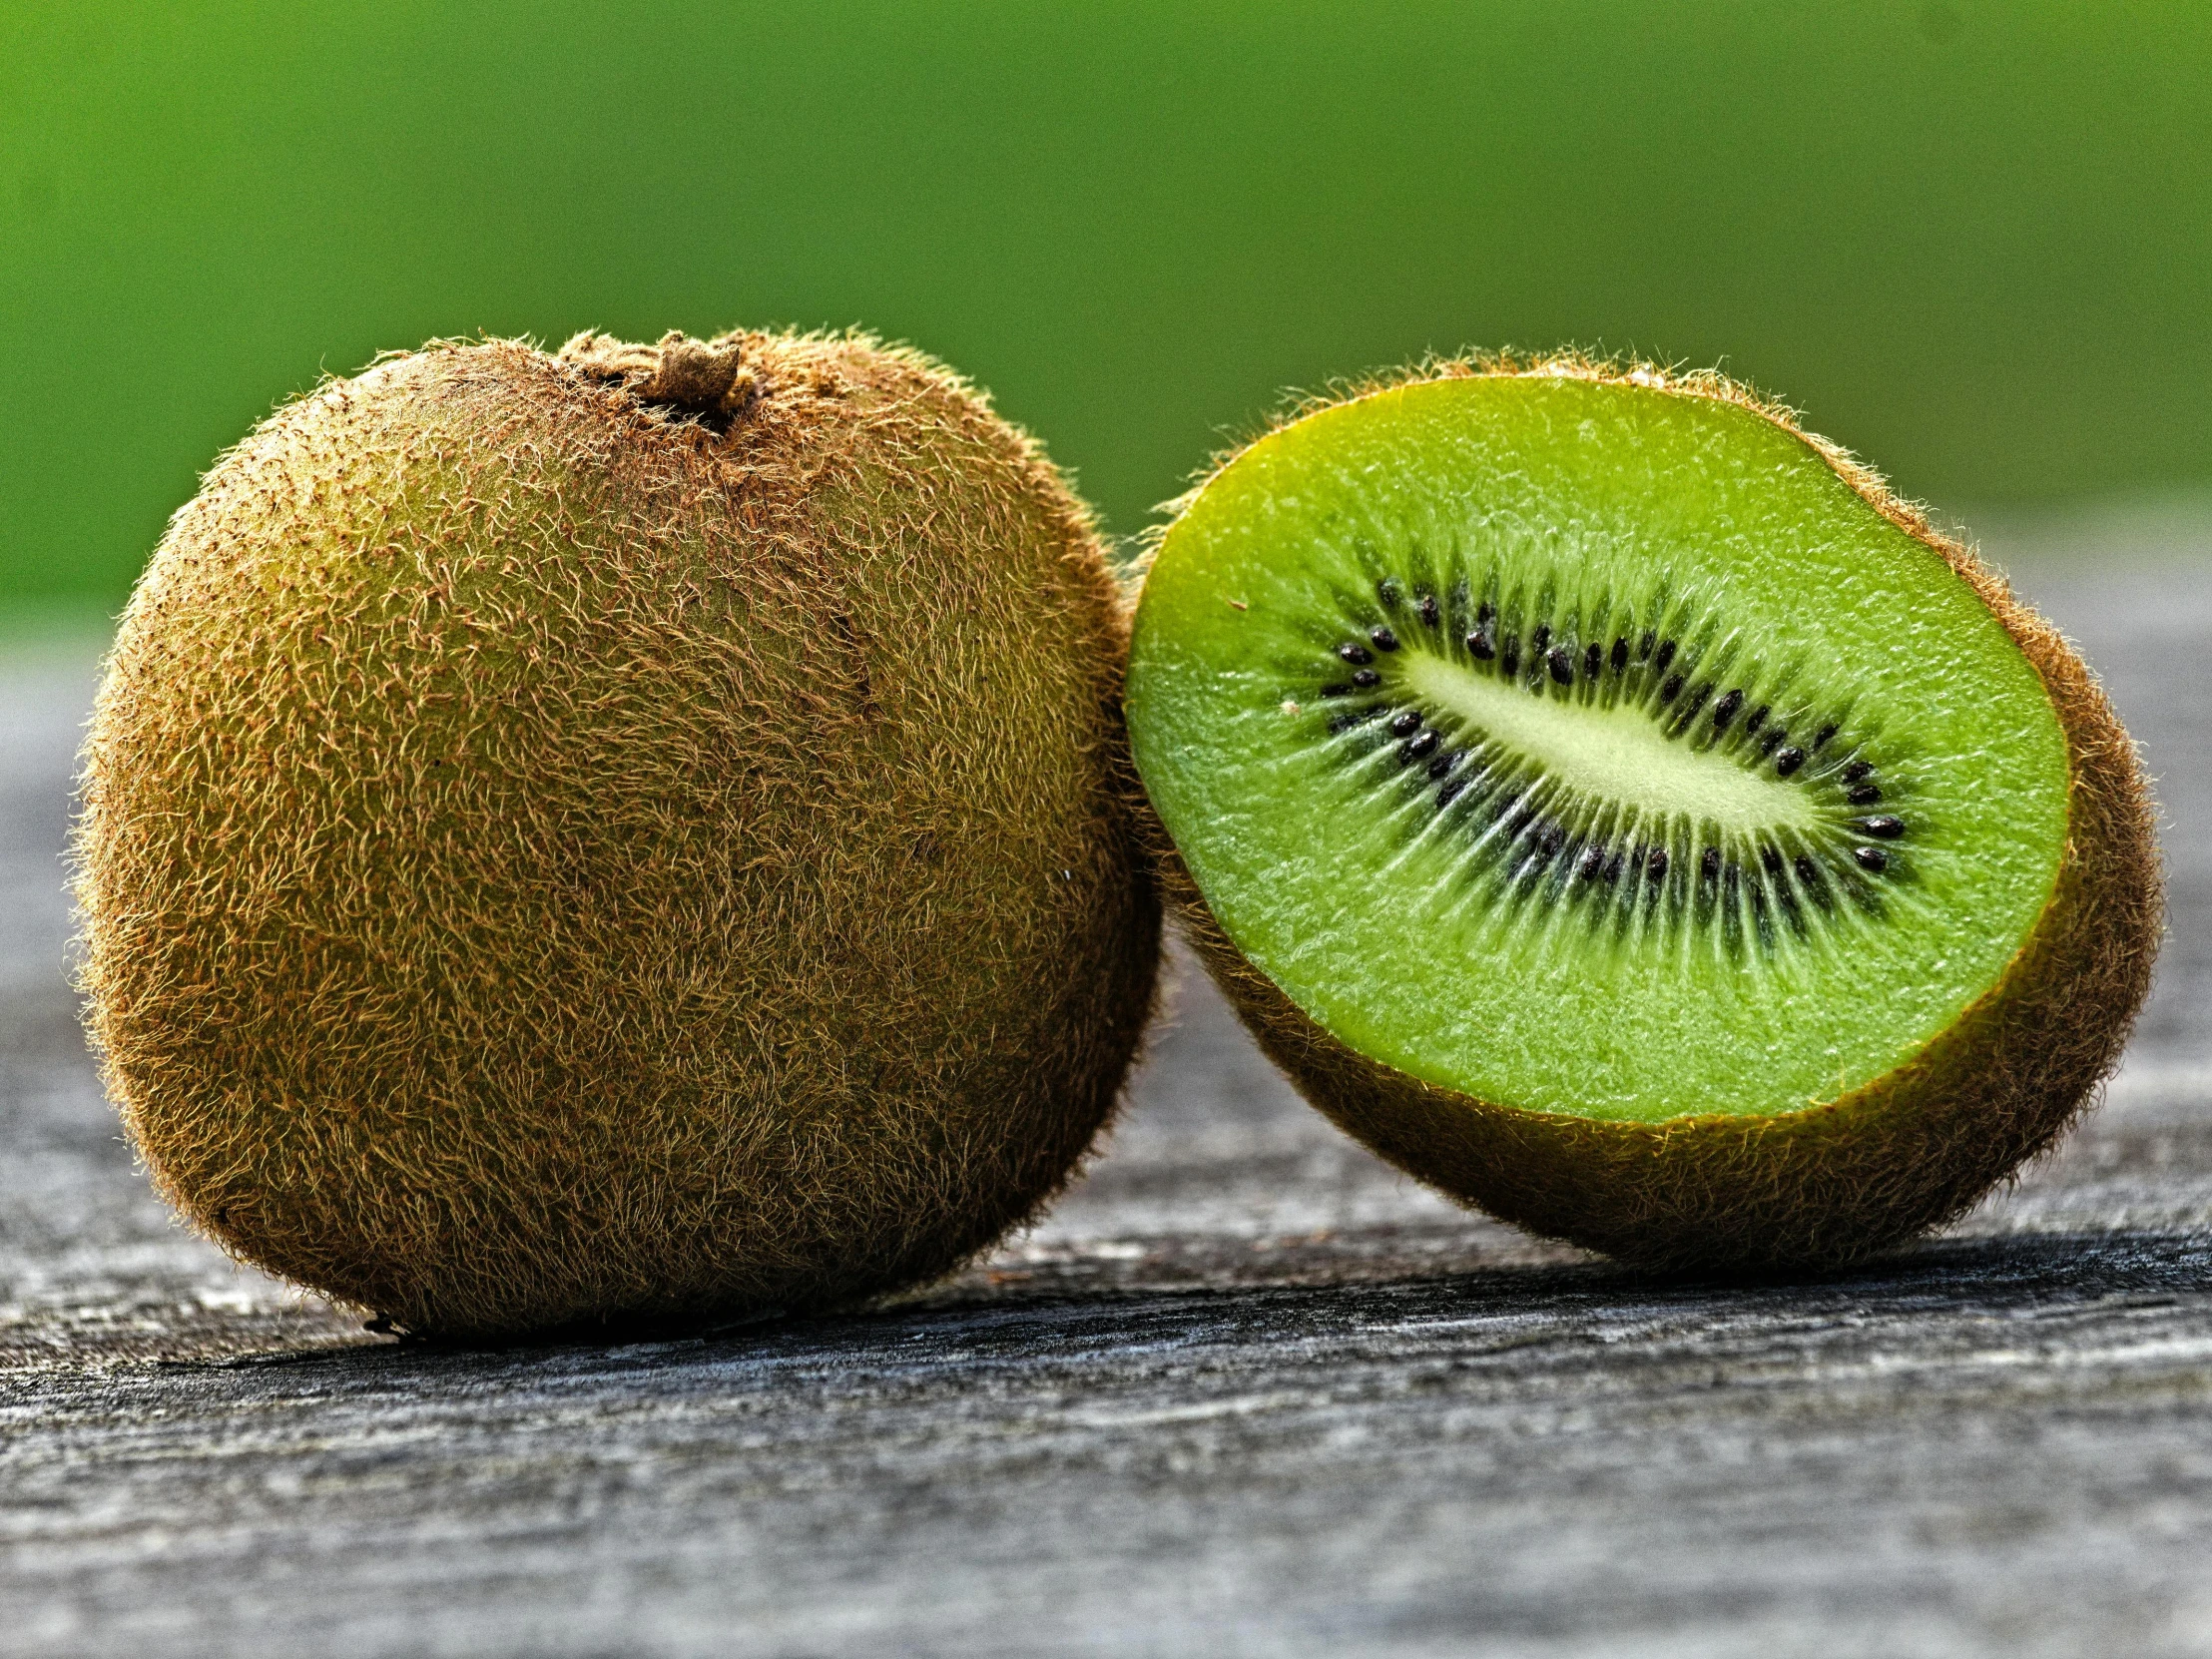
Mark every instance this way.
x=1244 y=1392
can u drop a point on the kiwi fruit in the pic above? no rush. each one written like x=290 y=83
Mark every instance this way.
x=636 y=834
x=1611 y=804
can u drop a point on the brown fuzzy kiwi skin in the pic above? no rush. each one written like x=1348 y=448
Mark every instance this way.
x=1831 y=1185
x=553 y=858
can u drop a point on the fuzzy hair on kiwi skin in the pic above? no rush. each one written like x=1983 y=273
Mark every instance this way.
x=622 y=838
x=1831 y=1185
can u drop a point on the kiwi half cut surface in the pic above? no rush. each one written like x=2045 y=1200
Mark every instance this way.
x=1611 y=804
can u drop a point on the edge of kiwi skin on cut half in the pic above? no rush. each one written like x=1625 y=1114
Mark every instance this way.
x=1833 y=1181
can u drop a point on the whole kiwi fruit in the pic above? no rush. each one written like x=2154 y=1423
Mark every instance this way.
x=1615 y=806
x=636 y=834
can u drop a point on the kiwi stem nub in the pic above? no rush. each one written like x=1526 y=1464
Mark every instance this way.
x=701 y=377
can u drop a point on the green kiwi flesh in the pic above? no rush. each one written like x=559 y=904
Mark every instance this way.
x=1611 y=804
x=636 y=836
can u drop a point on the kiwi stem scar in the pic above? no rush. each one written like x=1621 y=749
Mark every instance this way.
x=1617 y=753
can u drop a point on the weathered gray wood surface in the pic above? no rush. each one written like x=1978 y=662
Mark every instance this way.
x=1244 y=1392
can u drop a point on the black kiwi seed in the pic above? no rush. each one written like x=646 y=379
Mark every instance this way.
x=1612 y=870
x=1550 y=839
x=1591 y=862
x=1541 y=639
x=1858 y=770
x=1384 y=638
x=1656 y=864
x=1709 y=865
x=1428 y=610
x=1592 y=659
x=1807 y=871
x=1406 y=723
x=1444 y=764
x=1820 y=738
x=1621 y=655
x=1449 y=793
x=1562 y=665
x=1485 y=612
x=1425 y=744
x=1771 y=858
x=1789 y=760
x=1336 y=691
x=1772 y=740
x=1756 y=719
x=1672 y=688
x=1698 y=695
x=1882 y=826
x=1725 y=710
x=1367 y=678
x=1481 y=644
x=1509 y=657
x=1666 y=656
x=1871 y=857
x=1353 y=652
x=1644 y=645
x=1864 y=794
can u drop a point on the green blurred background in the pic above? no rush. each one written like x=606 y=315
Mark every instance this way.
x=1972 y=241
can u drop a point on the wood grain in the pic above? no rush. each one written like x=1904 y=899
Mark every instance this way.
x=1245 y=1390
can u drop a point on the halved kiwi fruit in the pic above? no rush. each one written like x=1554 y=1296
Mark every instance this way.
x=1612 y=805
x=637 y=834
